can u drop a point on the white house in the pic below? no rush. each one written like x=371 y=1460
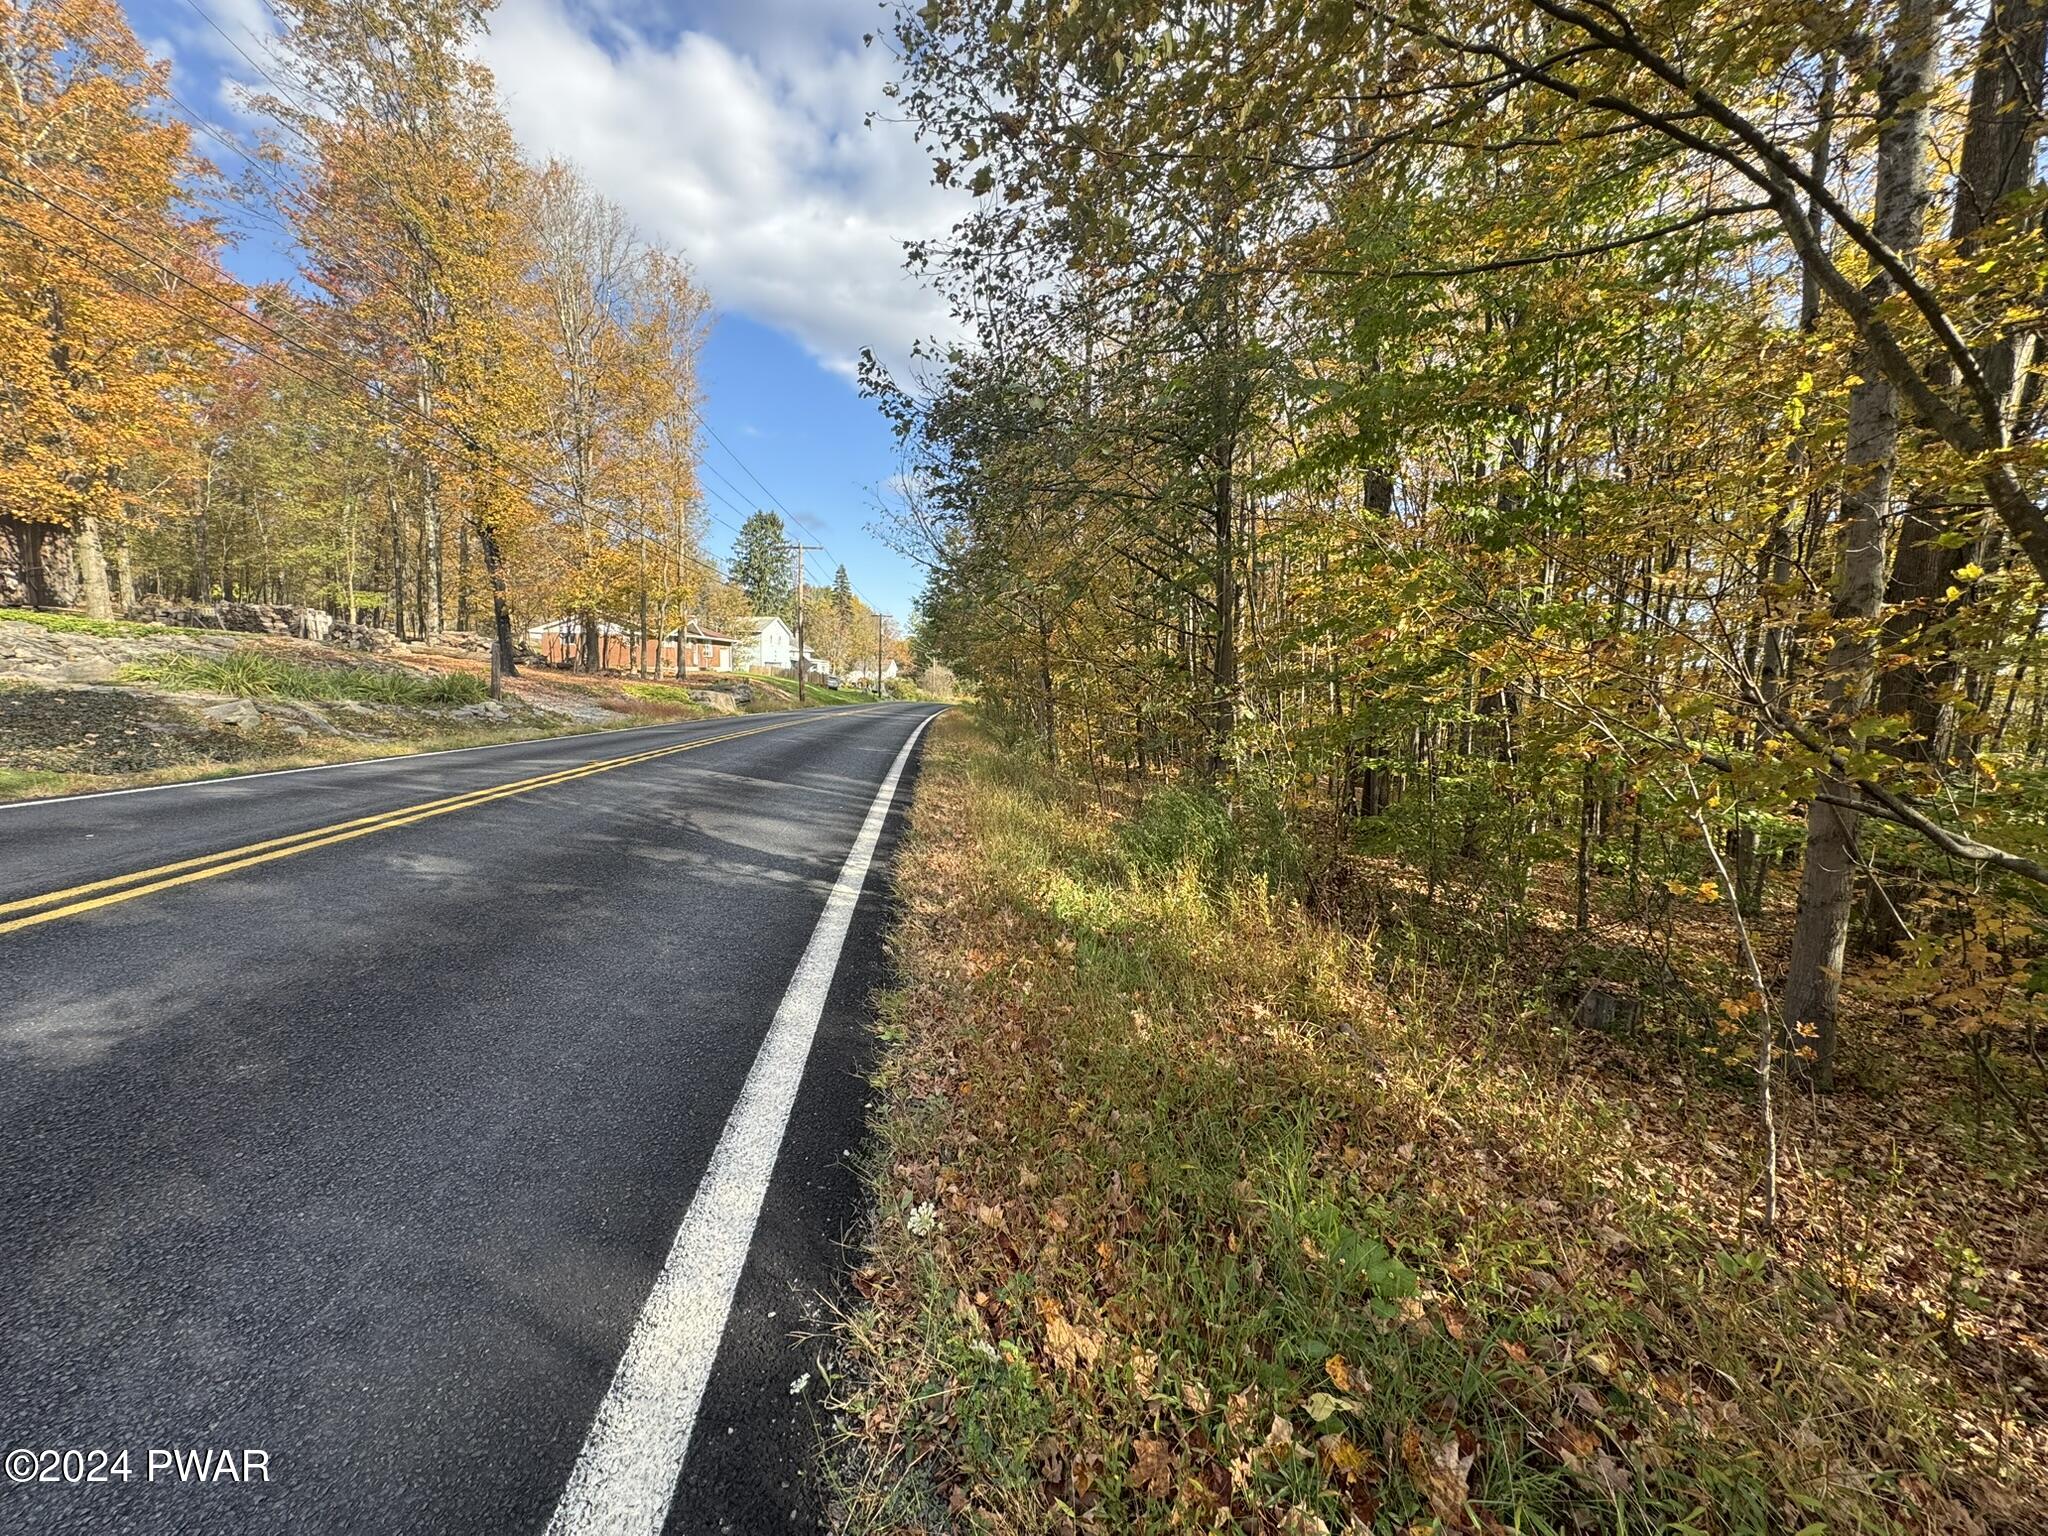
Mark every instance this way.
x=763 y=643
x=864 y=676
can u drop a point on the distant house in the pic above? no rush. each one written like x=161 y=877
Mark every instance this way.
x=559 y=642
x=693 y=648
x=705 y=650
x=864 y=676
x=763 y=643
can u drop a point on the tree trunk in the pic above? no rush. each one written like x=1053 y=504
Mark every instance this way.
x=396 y=620
x=350 y=601
x=92 y=569
x=1052 y=748
x=124 y=573
x=642 y=657
x=1224 y=670
x=430 y=527
x=1827 y=882
x=1583 y=872
x=501 y=609
x=462 y=577
x=1996 y=161
x=430 y=562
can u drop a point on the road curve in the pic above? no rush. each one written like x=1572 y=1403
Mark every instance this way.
x=350 y=1116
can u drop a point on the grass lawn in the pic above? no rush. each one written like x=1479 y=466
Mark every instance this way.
x=77 y=624
x=1195 y=1213
x=815 y=693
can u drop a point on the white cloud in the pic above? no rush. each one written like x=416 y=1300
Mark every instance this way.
x=232 y=43
x=747 y=150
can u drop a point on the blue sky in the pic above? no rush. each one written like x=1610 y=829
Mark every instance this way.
x=733 y=131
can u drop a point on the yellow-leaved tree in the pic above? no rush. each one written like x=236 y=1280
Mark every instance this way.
x=410 y=215
x=101 y=339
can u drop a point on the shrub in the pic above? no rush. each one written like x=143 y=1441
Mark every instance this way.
x=1198 y=831
x=1181 y=828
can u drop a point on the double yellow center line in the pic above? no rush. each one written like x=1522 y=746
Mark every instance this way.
x=77 y=899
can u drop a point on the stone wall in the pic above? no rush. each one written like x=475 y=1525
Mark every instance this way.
x=299 y=623
x=37 y=569
x=240 y=618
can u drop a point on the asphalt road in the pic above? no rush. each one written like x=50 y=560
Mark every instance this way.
x=366 y=1155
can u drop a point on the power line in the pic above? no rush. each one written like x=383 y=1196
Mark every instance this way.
x=389 y=276
x=203 y=123
x=776 y=501
x=199 y=121
x=207 y=17
x=743 y=466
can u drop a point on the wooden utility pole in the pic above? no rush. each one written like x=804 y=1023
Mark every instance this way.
x=800 y=547
x=880 y=618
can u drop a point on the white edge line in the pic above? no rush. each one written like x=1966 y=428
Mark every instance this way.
x=225 y=779
x=625 y=1474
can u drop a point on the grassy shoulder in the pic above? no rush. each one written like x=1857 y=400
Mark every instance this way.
x=261 y=756
x=1192 y=1212
x=780 y=693
x=91 y=704
x=77 y=740
x=262 y=704
x=161 y=723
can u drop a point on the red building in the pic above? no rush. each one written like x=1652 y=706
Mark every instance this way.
x=693 y=648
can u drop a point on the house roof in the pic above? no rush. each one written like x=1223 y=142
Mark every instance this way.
x=573 y=626
x=692 y=630
x=754 y=623
x=570 y=626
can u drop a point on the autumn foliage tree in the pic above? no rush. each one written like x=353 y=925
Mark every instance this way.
x=101 y=357
x=1512 y=434
x=477 y=400
x=410 y=212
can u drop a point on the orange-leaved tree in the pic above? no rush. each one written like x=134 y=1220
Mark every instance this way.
x=101 y=340
x=409 y=214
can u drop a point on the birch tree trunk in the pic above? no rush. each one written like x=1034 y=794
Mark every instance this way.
x=1827 y=881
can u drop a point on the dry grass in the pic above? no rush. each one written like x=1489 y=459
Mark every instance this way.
x=1195 y=1213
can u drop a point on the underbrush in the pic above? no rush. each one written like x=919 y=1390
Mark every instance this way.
x=1192 y=1212
x=252 y=674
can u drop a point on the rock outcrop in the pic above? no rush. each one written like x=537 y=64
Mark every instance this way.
x=64 y=656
